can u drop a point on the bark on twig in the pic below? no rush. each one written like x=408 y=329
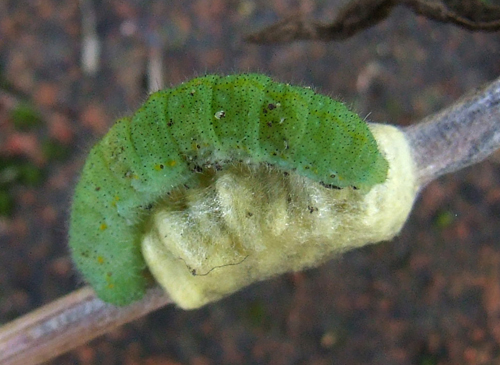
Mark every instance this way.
x=459 y=136
x=67 y=323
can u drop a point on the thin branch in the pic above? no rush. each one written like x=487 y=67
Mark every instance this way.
x=358 y=15
x=351 y=19
x=459 y=136
x=470 y=14
x=67 y=323
x=91 y=45
x=156 y=79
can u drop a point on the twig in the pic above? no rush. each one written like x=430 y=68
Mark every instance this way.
x=156 y=79
x=358 y=15
x=91 y=46
x=351 y=19
x=469 y=14
x=67 y=323
x=459 y=136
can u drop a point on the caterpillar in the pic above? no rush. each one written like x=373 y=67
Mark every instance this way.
x=206 y=124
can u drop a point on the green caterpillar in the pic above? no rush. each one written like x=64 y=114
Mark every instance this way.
x=202 y=125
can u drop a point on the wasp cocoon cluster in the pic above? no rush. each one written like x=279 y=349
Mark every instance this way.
x=223 y=181
x=254 y=222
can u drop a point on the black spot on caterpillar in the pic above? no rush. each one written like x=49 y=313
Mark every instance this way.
x=209 y=121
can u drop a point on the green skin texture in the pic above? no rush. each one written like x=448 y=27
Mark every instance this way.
x=210 y=120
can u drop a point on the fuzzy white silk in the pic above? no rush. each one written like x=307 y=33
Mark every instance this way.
x=252 y=223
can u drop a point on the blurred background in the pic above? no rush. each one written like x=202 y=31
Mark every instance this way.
x=69 y=69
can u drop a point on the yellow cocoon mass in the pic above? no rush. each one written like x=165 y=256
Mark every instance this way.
x=252 y=222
